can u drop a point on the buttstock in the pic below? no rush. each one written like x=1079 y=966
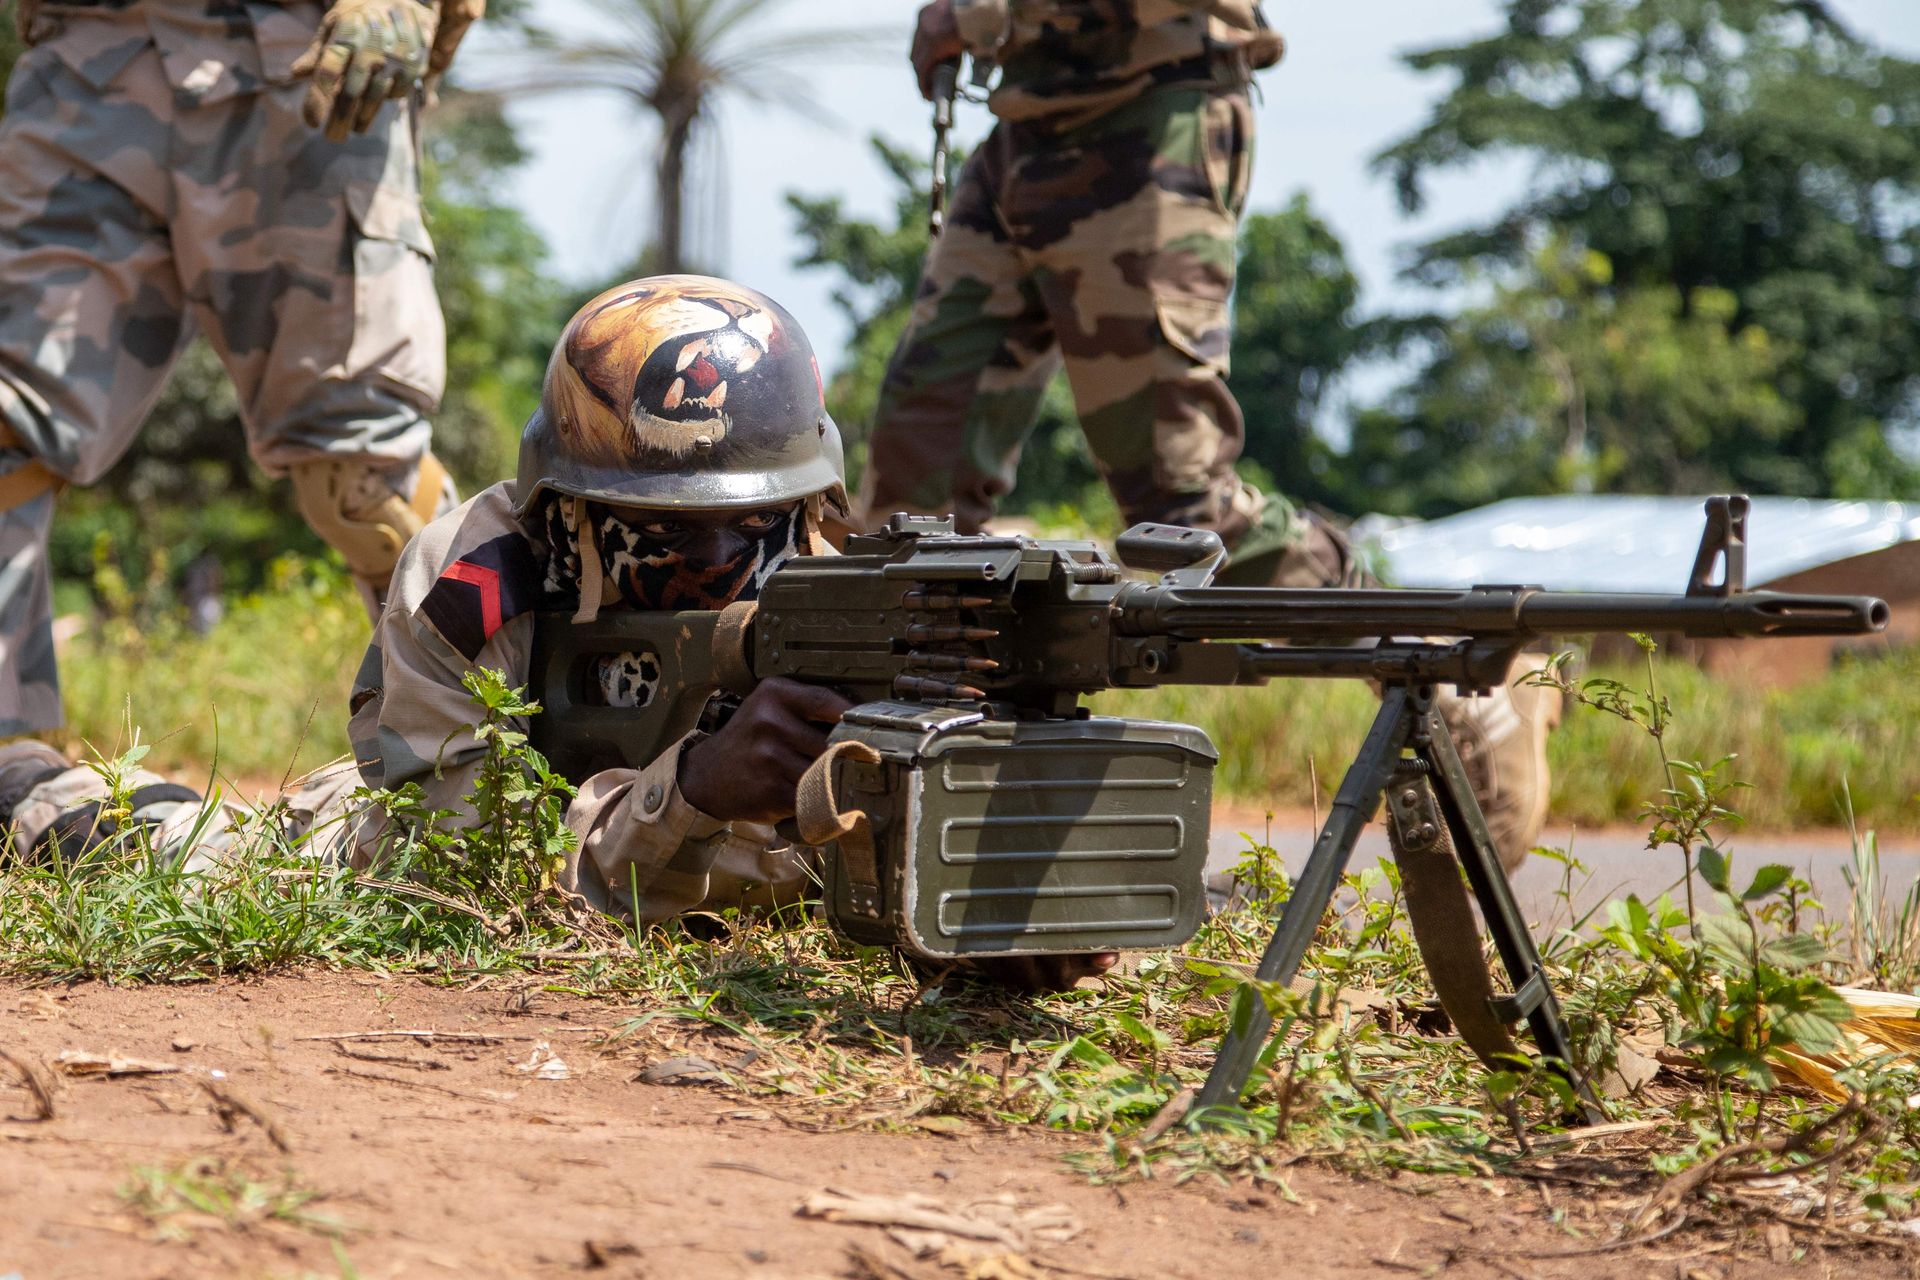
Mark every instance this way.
x=619 y=690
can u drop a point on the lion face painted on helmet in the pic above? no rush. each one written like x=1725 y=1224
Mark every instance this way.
x=665 y=365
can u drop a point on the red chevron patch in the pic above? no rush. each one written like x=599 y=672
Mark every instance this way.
x=488 y=582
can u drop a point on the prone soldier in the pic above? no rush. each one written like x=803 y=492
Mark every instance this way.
x=682 y=451
x=1095 y=229
x=251 y=171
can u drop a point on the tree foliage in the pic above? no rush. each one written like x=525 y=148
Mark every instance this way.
x=1562 y=382
x=673 y=61
x=1749 y=170
x=1296 y=328
x=878 y=266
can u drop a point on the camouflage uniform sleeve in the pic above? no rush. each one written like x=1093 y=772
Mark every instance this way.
x=412 y=719
x=645 y=852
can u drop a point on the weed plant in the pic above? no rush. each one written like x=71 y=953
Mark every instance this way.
x=205 y=1192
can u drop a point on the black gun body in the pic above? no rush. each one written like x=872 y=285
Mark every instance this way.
x=1247 y=613
x=1024 y=628
x=1036 y=626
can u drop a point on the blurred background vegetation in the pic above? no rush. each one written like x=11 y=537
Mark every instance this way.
x=1712 y=282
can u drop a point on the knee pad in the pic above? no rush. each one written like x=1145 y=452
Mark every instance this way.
x=357 y=507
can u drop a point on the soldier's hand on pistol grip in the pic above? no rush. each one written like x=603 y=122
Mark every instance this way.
x=366 y=52
x=749 y=769
x=936 y=39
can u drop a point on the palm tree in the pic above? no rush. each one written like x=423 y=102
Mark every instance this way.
x=673 y=60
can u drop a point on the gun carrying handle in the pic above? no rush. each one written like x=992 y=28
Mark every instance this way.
x=1184 y=557
x=733 y=648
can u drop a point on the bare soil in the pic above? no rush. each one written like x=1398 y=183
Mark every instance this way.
x=441 y=1157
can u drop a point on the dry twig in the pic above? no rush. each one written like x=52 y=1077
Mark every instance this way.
x=390 y=1059
x=228 y=1103
x=1687 y=1182
x=1611 y=1246
x=38 y=1087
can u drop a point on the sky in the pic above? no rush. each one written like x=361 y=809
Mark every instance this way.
x=1339 y=97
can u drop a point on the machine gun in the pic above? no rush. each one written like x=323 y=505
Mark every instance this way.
x=968 y=806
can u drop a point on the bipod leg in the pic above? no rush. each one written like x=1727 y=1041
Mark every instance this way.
x=1354 y=805
x=1532 y=996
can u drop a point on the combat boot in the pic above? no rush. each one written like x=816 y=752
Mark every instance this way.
x=1502 y=738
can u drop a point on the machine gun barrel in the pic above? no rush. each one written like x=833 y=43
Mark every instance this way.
x=1262 y=613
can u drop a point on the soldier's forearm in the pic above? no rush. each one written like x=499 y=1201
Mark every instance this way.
x=642 y=839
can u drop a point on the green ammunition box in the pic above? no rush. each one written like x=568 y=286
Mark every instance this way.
x=1021 y=837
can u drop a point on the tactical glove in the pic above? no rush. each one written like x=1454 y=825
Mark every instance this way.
x=365 y=52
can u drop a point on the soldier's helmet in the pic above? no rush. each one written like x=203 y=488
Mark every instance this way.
x=682 y=392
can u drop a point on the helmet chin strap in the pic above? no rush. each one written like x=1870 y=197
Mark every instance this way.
x=593 y=574
x=813 y=538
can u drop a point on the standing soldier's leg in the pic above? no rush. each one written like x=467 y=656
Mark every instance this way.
x=308 y=264
x=1132 y=221
x=963 y=388
x=90 y=311
x=1129 y=223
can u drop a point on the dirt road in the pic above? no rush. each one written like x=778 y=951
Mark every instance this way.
x=441 y=1157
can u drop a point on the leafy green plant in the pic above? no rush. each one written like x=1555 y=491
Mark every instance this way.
x=503 y=858
x=208 y=1191
x=1735 y=992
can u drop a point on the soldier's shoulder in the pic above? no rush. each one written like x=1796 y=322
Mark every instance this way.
x=470 y=572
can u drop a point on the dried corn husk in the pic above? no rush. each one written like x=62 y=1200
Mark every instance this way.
x=1883 y=1024
x=1893 y=1020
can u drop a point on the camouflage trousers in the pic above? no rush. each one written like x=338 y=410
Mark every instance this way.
x=85 y=814
x=1109 y=249
x=136 y=208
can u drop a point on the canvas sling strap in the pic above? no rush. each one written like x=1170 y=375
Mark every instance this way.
x=1444 y=925
x=822 y=821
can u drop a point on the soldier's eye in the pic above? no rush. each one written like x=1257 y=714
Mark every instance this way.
x=659 y=528
x=760 y=521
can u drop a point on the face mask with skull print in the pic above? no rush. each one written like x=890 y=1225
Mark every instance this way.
x=657 y=562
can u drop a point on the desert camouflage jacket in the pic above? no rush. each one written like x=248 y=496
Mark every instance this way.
x=1069 y=61
x=463 y=597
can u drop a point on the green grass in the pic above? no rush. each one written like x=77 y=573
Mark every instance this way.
x=211 y=1192
x=843 y=1034
x=263 y=694
x=1800 y=749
